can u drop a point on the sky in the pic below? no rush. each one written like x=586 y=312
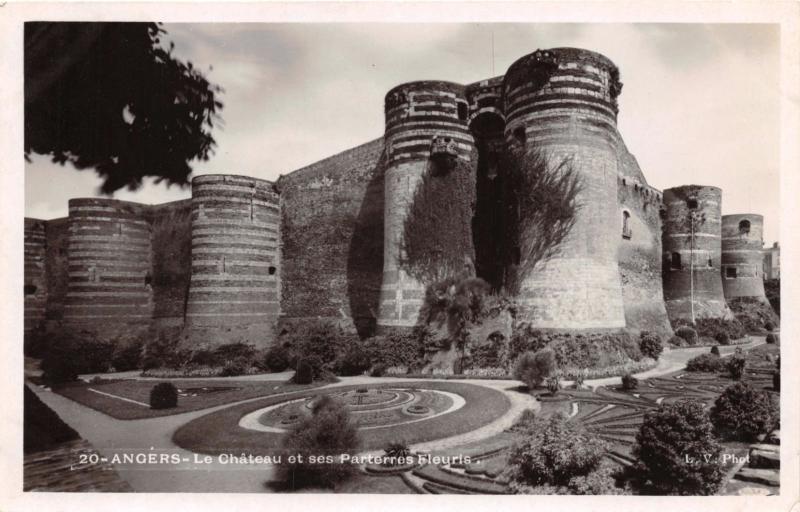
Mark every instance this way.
x=700 y=103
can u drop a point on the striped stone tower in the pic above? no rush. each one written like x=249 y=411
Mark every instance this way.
x=109 y=289
x=692 y=253
x=421 y=118
x=742 y=256
x=35 y=278
x=234 y=294
x=563 y=103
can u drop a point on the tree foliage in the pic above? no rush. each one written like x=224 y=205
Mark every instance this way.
x=676 y=451
x=112 y=97
x=743 y=412
x=557 y=456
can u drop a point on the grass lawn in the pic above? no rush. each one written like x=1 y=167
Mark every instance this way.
x=366 y=484
x=196 y=398
x=219 y=432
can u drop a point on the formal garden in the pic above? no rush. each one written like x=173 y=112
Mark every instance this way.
x=467 y=402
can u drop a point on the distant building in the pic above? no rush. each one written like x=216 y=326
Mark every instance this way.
x=772 y=262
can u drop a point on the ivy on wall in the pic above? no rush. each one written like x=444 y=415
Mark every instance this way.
x=542 y=198
x=437 y=241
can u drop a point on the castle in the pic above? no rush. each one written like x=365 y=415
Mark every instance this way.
x=244 y=255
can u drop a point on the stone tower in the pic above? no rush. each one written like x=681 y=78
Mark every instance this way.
x=235 y=271
x=692 y=253
x=742 y=256
x=563 y=102
x=424 y=120
x=109 y=290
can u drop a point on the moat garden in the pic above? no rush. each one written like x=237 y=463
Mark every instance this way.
x=696 y=419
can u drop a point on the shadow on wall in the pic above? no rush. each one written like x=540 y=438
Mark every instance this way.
x=365 y=255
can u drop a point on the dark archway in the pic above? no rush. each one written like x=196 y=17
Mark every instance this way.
x=488 y=224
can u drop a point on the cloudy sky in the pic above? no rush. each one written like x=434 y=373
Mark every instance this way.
x=700 y=103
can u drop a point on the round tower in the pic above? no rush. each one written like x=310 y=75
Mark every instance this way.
x=426 y=122
x=692 y=253
x=234 y=292
x=35 y=283
x=562 y=103
x=109 y=250
x=742 y=256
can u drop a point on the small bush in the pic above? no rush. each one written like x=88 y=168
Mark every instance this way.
x=553 y=452
x=234 y=352
x=688 y=334
x=722 y=338
x=629 y=382
x=127 y=357
x=772 y=338
x=397 y=450
x=399 y=349
x=534 y=368
x=677 y=341
x=354 y=362
x=304 y=373
x=69 y=355
x=650 y=345
x=715 y=350
x=735 y=366
x=378 y=370
x=768 y=325
x=276 y=359
x=712 y=327
x=742 y=412
x=233 y=368
x=327 y=432
x=710 y=363
x=164 y=395
x=676 y=451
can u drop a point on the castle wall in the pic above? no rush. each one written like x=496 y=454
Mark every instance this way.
x=702 y=252
x=639 y=252
x=742 y=256
x=34 y=275
x=57 y=263
x=563 y=102
x=332 y=233
x=172 y=260
x=416 y=114
x=109 y=257
x=234 y=292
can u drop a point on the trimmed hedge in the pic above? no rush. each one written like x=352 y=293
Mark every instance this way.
x=688 y=334
x=710 y=363
x=164 y=395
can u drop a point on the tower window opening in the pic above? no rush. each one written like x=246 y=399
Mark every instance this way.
x=692 y=204
x=271 y=270
x=30 y=289
x=462 y=110
x=148 y=279
x=744 y=227
x=710 y=263
x=730 y=272
x=675 y=261
x=626 y=227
